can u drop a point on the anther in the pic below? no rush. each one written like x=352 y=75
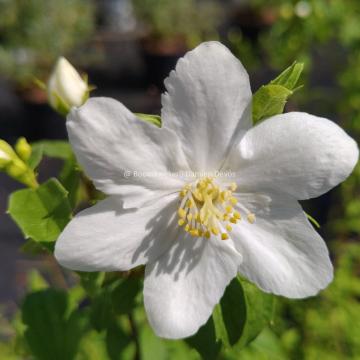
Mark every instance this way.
x=251 y=218
x=233 y=186
x=236 y=215
x=228 y=209
x=194 y=232
x=182 y=213
x=205 y=208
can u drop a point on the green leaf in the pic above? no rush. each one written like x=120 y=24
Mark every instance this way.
x=242 y=313
x=230 y=314
x=35 y=157
x=33 y=247
x=54 y=148
x=151 y=345
x=35 y=281
x=70 y=173
x=52 y=333
x=259 y=311
x=101 y=310
x=92 y=282
x=124 y=296
x=41 y=213
x=120 y=345
x=153 y=119
x=265 y=347
x=205 y=341
x=270 y=99
x=70 y=178
x=290 y=76
x=92 y=347
x=7 y=351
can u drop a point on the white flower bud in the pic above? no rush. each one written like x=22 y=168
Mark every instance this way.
x=65 y=87
x=4 y=158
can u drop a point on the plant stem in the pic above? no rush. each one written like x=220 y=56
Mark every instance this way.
x=135 y=336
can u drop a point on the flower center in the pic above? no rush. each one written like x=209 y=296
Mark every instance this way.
x=206 y=209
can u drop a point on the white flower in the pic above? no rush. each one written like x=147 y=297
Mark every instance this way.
x=65 y=87
x=175 y=225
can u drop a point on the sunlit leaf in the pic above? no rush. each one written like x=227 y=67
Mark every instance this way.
x=270 y=99
x=41 y=213
x=290 y=76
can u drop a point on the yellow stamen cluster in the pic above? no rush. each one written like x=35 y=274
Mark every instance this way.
x=206 y=209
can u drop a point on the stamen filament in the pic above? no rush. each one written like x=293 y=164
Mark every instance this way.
x=205 y=208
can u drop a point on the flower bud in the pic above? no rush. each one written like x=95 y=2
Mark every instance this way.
x=4 y=159
x=13 y=164
x=66 y=88
x=23 y=149
x=7 y=154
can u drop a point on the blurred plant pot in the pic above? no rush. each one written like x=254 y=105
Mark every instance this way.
x=41 y=121
x=253 y=21
x=160 y=57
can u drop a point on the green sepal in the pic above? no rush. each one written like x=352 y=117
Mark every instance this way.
x=41 y=213
x=313 y=220
x=152 y=119
x=290 y=76
x=40 y=84
x=60 y=104
x=270 y=99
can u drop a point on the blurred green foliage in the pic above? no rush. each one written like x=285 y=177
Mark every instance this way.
x=191 y=21
x=33 y=33
x=320 y=33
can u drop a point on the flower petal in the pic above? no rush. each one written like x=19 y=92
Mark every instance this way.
x=106 y=237
x=297 y=153
x=183 y=286
x=116 y=148
x=207 y=104
x=282 y=252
